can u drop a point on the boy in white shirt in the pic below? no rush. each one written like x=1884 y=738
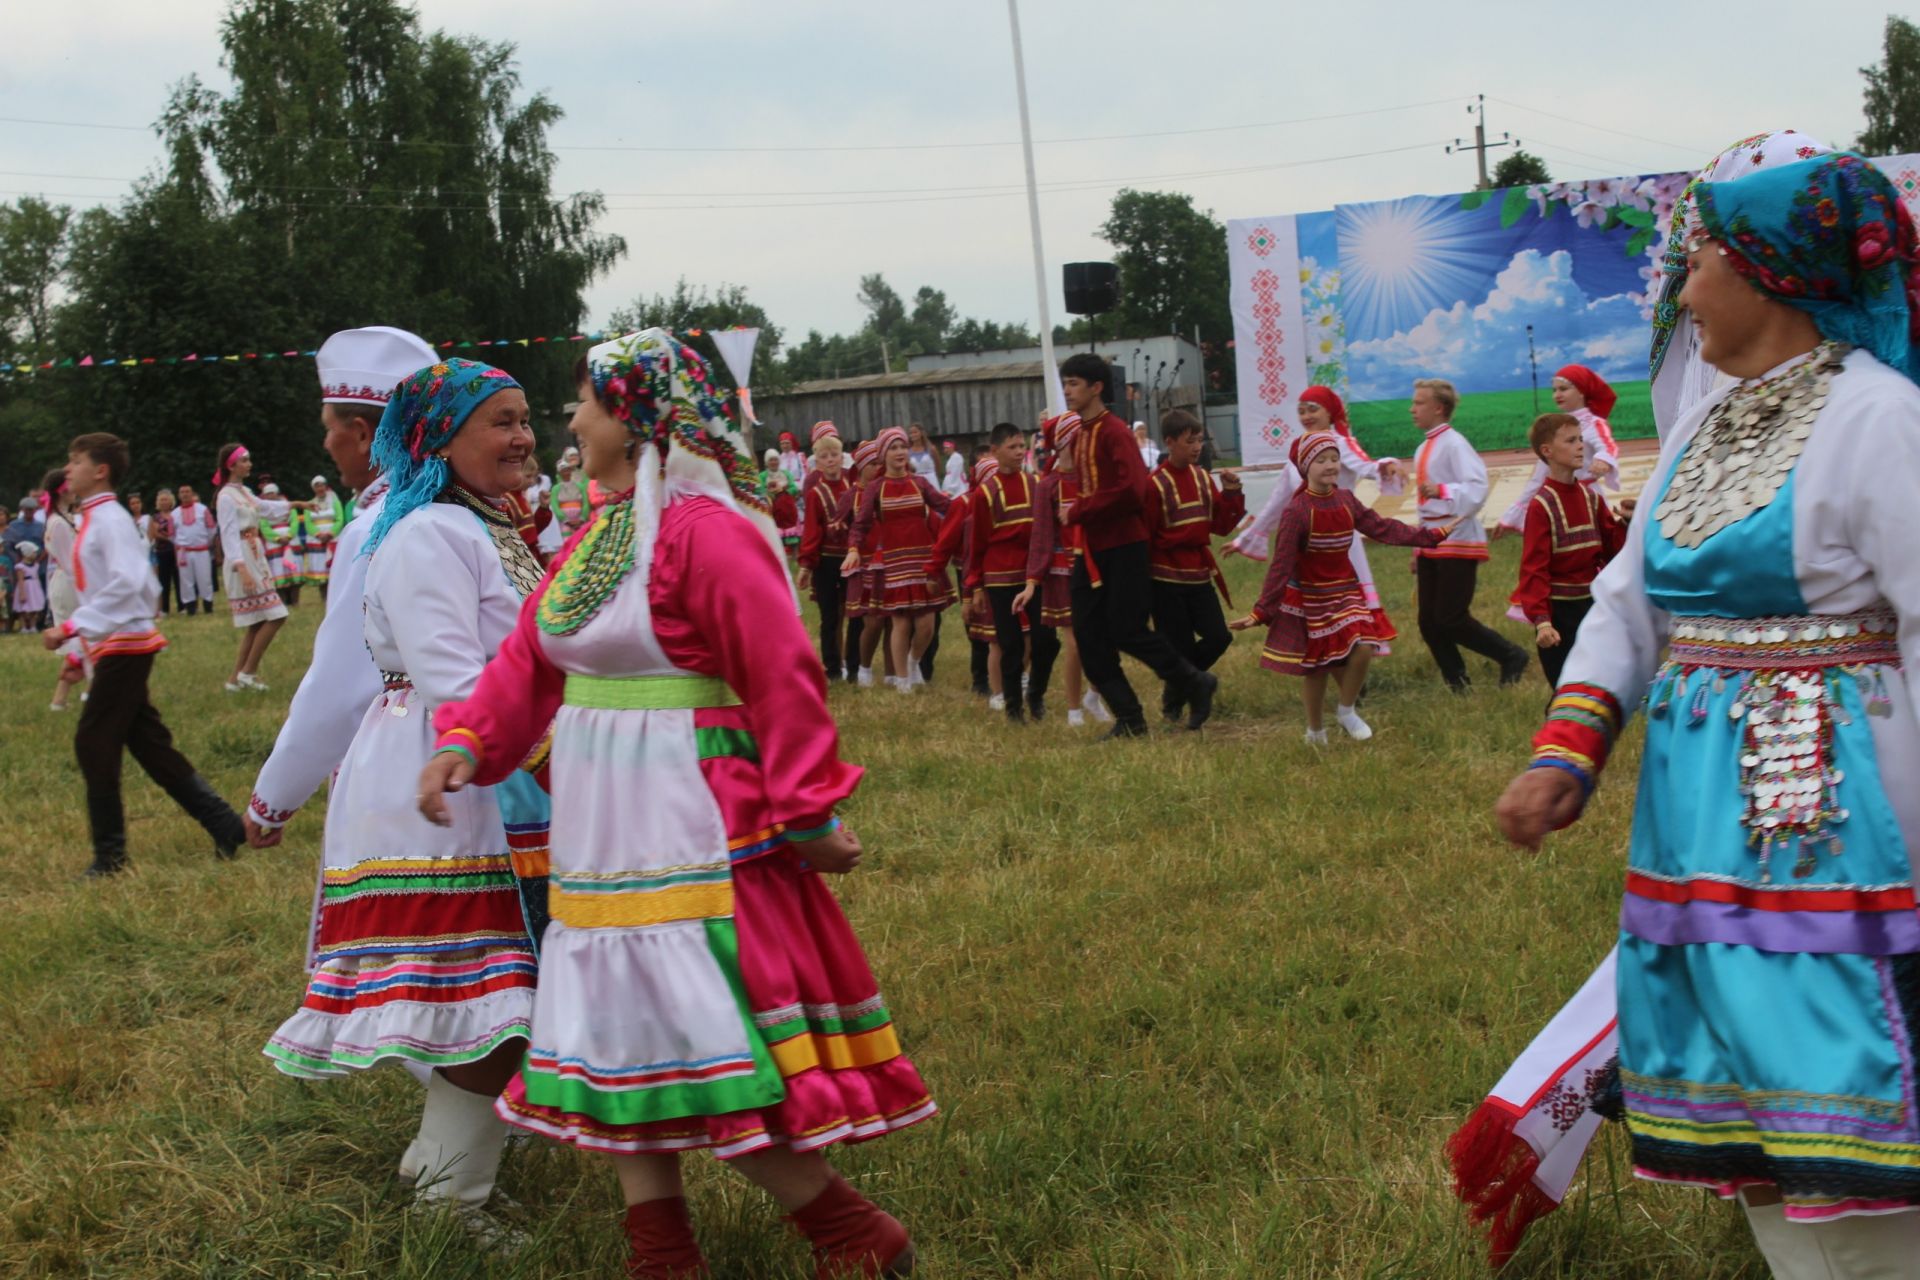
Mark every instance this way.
x=118 y=599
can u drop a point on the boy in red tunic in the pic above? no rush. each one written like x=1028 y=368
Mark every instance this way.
x=1571 y=534
x=823 y=537
x=1112 y=585
x=1185 y=512
x=1002 y=537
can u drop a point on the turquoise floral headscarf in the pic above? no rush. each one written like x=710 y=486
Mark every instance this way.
x=426 y=411
x=1829 y=236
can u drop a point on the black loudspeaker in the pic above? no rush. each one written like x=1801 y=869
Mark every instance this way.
x=1092 y=288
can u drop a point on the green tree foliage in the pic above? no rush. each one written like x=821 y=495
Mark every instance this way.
x=1173 y=273
x=894 y=330
x=34 y=242
x=1520 y=169
x=1893 y=93
x=361 y=171
x=693 y=312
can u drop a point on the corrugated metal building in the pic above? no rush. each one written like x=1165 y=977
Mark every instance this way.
x=961 y=394
x=960 y=403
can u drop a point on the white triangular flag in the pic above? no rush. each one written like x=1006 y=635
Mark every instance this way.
x=736 y=348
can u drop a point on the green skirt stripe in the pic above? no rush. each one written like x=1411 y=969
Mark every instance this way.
x=791 y=1027
x=640 y=882
x=420 y=884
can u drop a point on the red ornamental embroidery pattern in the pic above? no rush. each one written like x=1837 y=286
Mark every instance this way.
x=1261 y=242
x=1908 y=185
x=1268 y=335
x=1276 y=432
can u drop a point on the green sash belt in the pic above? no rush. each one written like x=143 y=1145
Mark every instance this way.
x=648 y=693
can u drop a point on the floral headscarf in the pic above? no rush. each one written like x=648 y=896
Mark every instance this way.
x=1830 y=236
x=1747 y=156
x=426 y=411
x=659 y=387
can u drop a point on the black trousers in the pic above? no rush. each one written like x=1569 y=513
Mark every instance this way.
x=168 y=571
x=830 y=595
x=1112 y=619
x=1566 y=615
x=981 y=654
x=117 y=716
x=1188 y=614
x=1013 y=650
x=1447 y=623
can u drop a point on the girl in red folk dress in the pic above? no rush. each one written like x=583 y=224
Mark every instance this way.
x=902 y=511
x=869 y=624
x=701 y=989
x=1313 y=606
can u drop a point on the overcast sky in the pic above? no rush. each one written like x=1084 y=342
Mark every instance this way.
x=1661 y=90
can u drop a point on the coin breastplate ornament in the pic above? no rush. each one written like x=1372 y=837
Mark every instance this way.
x=1746 y=449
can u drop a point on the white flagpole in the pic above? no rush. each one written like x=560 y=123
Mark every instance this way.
x=1056 y=402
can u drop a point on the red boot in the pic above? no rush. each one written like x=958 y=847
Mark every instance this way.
x=660 y=1243
x=853 y=1237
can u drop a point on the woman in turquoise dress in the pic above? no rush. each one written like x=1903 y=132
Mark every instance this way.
x=1767 y=609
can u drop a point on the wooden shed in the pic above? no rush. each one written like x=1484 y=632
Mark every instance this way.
x=960 y=403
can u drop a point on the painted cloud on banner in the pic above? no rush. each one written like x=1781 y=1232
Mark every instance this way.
x=1483 y=347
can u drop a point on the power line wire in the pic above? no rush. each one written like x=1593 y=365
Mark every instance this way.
x=1063 y=187
x=851 y=147
x=1584 y=124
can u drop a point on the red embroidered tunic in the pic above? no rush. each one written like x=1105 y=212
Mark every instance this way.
x=1185 y=511
x=824 y=535
x=1002 y=531
x=1111 y=509
x=1313 y=602
x=1051 y=549
x=1571 y=534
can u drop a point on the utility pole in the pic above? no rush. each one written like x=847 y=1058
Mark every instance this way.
x=1480 y=144
x=886 y=361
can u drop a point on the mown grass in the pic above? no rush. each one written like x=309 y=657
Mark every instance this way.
x=1494 y=419
x=1197 y=1006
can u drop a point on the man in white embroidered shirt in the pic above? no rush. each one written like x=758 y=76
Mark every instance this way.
x=118 y=599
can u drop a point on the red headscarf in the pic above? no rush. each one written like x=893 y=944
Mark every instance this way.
x=1327 y=398
x=1600 y=397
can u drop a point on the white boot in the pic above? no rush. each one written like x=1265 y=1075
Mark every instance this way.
x=455 y=1158
x=865 y=678
x=998 y=702
x=1316 y=737
x=1349 y=719
x=1882 y=1246
x=1075 y=718
x=1792 y=1251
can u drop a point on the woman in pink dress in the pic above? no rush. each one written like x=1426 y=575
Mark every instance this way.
x=699 y=985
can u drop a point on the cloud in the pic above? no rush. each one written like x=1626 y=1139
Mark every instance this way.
x=1484 y=347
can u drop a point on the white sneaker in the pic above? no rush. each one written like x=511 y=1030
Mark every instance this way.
x=998 y=702
x=252 y=682
x=905 y=684
x=1316 y=737
x=865 y=679
x=1076 y=718
x=1096 y=707
x=1349 y=719
x=234 y=686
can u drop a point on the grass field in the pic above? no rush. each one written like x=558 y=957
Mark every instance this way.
x=1199 y=1006
x=1492 y=419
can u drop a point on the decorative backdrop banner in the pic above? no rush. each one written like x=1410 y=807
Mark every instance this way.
x=1269 y=329
x=1494 y=290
